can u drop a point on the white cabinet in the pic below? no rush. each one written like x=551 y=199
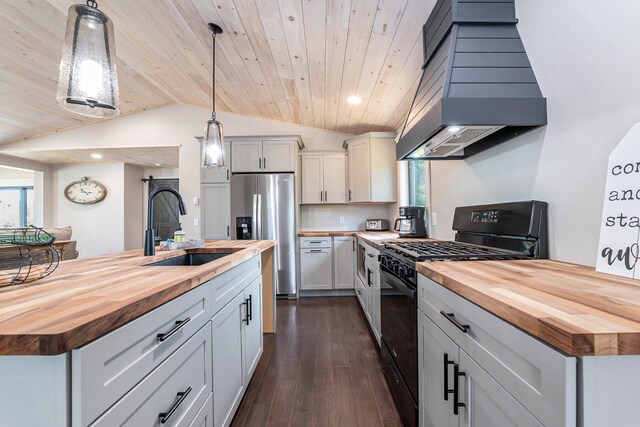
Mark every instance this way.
x=373 y=295
x=511 y=378
x=263 y=154
x=246 y=156
x=343 y=259
x=252 y=328
x=372 y=168
x=324 y=178
x=278 y=155
x=316 y=268
x=216 y=211
x=228 y=375
x=217 y=175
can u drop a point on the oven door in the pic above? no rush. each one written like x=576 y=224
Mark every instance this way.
x=399 y=318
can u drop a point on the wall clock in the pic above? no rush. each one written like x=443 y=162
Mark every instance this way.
x=86 y=191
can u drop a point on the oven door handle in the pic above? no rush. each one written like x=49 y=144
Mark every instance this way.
x=397 y=283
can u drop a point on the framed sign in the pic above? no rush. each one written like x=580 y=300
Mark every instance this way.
x=618 y=251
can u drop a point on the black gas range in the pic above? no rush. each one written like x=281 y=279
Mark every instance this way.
x=506 y=231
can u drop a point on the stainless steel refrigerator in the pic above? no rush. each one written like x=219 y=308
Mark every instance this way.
x=263 y=208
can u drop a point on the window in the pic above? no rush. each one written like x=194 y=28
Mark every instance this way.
x=417 y=183
x=16 y=206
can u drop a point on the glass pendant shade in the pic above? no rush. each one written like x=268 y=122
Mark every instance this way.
x=88 y=82
x=213 y=154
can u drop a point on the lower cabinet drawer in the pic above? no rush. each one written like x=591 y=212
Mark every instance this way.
x=106 y=369
x=226 y=286
x=315 y=242
x=541 y=378
x=173 y=394
x=204 y=418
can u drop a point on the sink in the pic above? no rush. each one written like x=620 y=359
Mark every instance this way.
x=190 y=259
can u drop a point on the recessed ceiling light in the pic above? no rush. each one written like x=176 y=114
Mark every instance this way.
x=158 y=164
x=354 y=100
x=96 y=156
x=454 y=129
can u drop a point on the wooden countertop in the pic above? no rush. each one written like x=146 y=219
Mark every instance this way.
x=87 y=298
x=373 y=238
x=570 y=307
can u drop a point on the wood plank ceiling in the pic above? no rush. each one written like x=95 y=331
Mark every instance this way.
x=291 y=60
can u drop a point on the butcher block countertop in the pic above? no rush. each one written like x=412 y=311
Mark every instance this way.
x=570 y=307
x=373 y=238
x=87 y=298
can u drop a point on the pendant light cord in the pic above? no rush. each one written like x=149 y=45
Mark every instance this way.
x=213 y=63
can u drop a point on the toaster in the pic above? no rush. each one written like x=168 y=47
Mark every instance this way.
x=376 y=225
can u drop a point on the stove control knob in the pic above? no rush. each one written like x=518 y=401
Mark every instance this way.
x=411 y=272
x=402 y=272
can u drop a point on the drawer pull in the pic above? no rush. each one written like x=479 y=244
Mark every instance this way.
x=456 y=390
x=370 y=255
x=315 y=242
x=452 y=318
x=179 y=325
x=250 y=307
x=447 y=390
x=164 y=416
x=315 y=251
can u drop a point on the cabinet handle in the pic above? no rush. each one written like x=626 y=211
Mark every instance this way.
x=369 y=277
x=227 y=174
x=456 y=390
x=315 y=242
x=164 y=416
x=325 y=195
x=264 y=162
x=447 y=390
x=321 y=195
x=315 y=250
x=250 y=307
x=179 y=325
x=246 y=306
x=349 y=195
x=452 y=318
x=370 y=255
x=259 y=162
x=228 y=231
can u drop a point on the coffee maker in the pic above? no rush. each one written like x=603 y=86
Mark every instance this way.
x=411 y=222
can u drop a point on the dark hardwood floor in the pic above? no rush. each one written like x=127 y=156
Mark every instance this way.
x=320 y=369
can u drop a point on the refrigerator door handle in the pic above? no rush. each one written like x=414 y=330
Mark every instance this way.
x=259 y=217
x=254 y=216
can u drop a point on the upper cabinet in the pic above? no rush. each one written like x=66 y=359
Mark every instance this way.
x=263 y=154
x=324 y=178
x=372 y=168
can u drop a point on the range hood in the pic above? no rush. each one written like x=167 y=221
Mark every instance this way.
x=477 y=87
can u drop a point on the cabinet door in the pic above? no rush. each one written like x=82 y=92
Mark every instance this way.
x=216 y=211
x=253 y=330
x=359 y=172
x=433 y=345
x=228 y=374
x=343 y=258
x=204 y=418
x=246 y=156
x=360 y=293
x=316 y=269
x=278 y=156
x=375 y=303
x=335 y=179
x=312 y=184
x=487 y=403
x=217 y=175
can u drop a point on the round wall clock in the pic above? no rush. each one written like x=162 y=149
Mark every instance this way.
x=86 y=191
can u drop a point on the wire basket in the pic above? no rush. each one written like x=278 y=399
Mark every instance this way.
x=26 y=255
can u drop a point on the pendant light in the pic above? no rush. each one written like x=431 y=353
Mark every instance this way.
x=213 y=154
x=88 y=82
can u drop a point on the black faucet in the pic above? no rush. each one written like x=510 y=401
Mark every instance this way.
x=149 y=235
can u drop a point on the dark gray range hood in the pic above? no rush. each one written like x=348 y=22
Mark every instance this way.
x=477 y=87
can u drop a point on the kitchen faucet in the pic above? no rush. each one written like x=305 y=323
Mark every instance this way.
x=149 y=235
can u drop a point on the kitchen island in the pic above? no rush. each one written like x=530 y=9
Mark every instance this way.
x=541 y=342
x=112 y=340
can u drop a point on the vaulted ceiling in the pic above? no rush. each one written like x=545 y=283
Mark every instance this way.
x=290 y=60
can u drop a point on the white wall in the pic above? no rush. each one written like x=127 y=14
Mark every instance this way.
x=175 y=125
x=583 y=56
x=99 y=228
x=133 y=207
x=327 y=218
